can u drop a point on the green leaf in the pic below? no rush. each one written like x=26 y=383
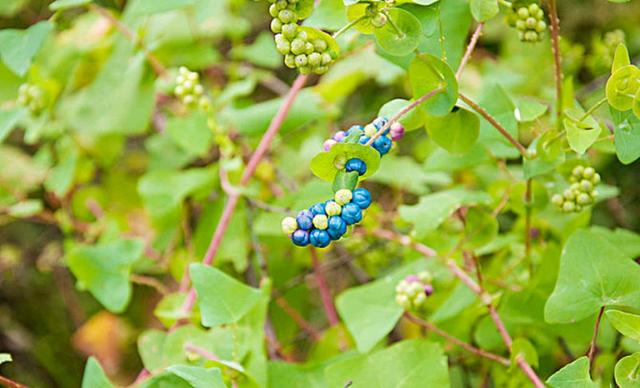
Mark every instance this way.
x=481 y=227
x=94 y=376
x=626 y=323
x=456 y=132
x=191 y=133
x=329 y=15
x=627 y=371
x=199 y=377
x=169 y=310
x=5 y=357
x=18 y=47
x=620 y=58
x=528 y=110
x=622 y=87
x=414 y=119
x=625 y=240
x=8 y=120
x=144 y=7
x=573 y=375
x=345 y=180
x=407 y=364
x=159 y=349
x=627 y=137
x=61 y=5
x=405 y=173
x=25 y=208
x=323 y=165
x=593 y=273
x=370 y=311
x=359 y=11
x=495 y=100
x=523 y=348
x=221 y=298
x=104 y=270
x=428 y=73
x=581 y=135
x=401 y=34
x=314 y=33
x=431 y=210
x=483 y=10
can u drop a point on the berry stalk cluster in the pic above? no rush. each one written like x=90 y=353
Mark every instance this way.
x=529 y=21
x=304 y=48
x=582 y=191
x=328 y=221
x=31 y=97
x=412 y=291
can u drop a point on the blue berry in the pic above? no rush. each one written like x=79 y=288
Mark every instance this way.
x=361 y=197
x=364 y=139
x=356 y=164
x=355 y=128
x=382 y=145
x=305 y=220
x=351 y=213
x=379 y=123
x=318 y=208
x=300 y=238
x=337 y=227
x=319 y=238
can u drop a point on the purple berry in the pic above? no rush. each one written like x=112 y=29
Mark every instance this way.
x=339 y=136
x=397 y=131
x=328 y=144
x=305 y=220
x=300 y=238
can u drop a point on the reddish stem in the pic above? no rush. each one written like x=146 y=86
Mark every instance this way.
x=297 y=318
x=470 y=48
x=5 y=382
x=592 y=348
x=555 y=47
x=325 y=294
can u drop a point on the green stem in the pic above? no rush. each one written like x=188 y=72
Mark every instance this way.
x=401 y=34
x=348 y=26
x=441 y=33
x=593 y=108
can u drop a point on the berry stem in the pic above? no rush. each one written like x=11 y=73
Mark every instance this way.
x=593 y=108
x=592 y=348
x=470 y=348
x=555 y=47
x=487 y=116
x=393 y=24
x=323 y=287
x=5 y=382
x=472 y=45
x=297 y=317
x=348 y=26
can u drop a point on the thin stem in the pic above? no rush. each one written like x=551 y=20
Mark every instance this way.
x=156 y=65
x=470 y=348
x=297 y=318
x=527 y=219
x=494 y=123
x=5 y=382
x=150 y=282
x=592 y=348
x=441 y=33
x=325 y=293
x=404 y=111
x=405 y=241
x=593 y=108
x=401 y=34
x=255 y=159
x=348 y=26
x=555 y=47
x=472 y=44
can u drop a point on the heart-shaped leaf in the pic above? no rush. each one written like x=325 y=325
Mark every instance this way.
x=622 y=87
x=456 y=132
x=626 y=371
x=401 y=34
x=324 y=167
x=18 y=47
x=626 y=323
x=428 y=73
x=575 y=374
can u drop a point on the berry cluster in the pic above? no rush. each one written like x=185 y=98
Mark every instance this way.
x=382 y=144
x=300 y=50
x=582 y=191
x=529 y=21
x=31 y=97
x=189 y=89
x=327 y=221
x=412 y=291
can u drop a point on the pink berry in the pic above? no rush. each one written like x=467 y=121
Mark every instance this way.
x=339 y=136
x=329 y=143
x=397 y=131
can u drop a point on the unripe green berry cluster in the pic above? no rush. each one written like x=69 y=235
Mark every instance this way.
x=31 y=97
x=412 y=291
x=300 y=51
x=189 y=89
x=529 y=21
x=582 y=191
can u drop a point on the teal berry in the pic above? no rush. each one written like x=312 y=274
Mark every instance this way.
x=357 y=165
x=318 y=208
x=337 y=227
x=364 y=139
x=305 y=220
x=382 y=145
x=319 y=238
x=351 y=213
x=300 y=238
x=361 y=197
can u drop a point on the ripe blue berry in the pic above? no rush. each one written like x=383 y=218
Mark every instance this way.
x=300 y=238
x=379 y=123
x=364 y=139
x=357 y=165
x=382 y=144
x=337 y=227
x=305 y=220
x=351 y=213
x=318 y=208
x=319 y=238
x=361 y=197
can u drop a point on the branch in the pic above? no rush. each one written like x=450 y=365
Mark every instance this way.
x=5 y=382
x=555 y=47
x=297 y=317
x=470 y=348
x=150 y=282
x=592 y=348
x=470 y=48
x=325 y=293
x=487 y=116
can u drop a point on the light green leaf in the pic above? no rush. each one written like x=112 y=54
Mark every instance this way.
x=104 y=270
x=456 y=132
x=622 y=87
x=627 y=371
x=94 y=376
x=401 y=34
x=370 y=311
x=18 y=47
x=573 y=375
x=323 y=165
x=523 y=348
x=625 y=240
x=405 y=173
x=495 y=100
x=191 y=133
x=169 y=309
x=8 y=120
x=61 y=5
x=414 y=119
x=621 y=58
x=145 y=7
x=593 y=273
x=481 y=227
x=626 y=323
x=483 y=10
x=434 y=208
x=5 y=357
x=407 y=364
x=582 y=135
x=199 y=377
x=528 y=110
x=428 y=73
x=222 y=299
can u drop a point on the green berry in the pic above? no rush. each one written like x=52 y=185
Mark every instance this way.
x=290 y=30
x=315 y=59
x=326 y=59
x=379 y=20
x=569 y=194
x=332 y=209
x=302 y=36
x=588 y=172
x=534 y=8
x=557 y=200
x=276 y=25
x=583 y=199
x=531 y=22
x=321 y=69
x=281 y=4
x=321 y=221
x=273 y=10
x=523 y=13
x=541 y=26
x=297 y=46
x=531 y=36
x=304 y=70
x=301 y=60
x=568 y=206
x=287 y=16
x=320 y=45
x=586 y=185
x=284 y=47
x=596 y=178
x=521 y=25
x=290 y=61
x=577 y=171
x=308 y=48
